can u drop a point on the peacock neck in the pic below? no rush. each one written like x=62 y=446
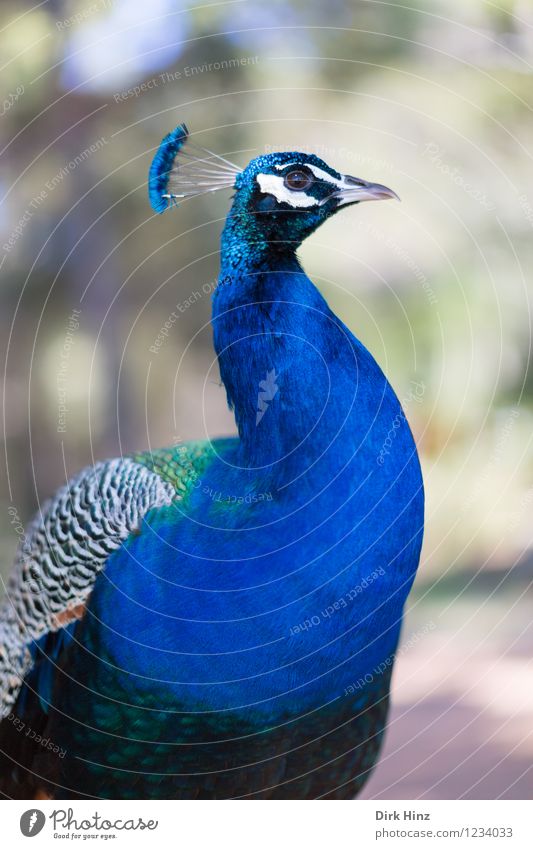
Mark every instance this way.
x=275 y=338
x=247 y=248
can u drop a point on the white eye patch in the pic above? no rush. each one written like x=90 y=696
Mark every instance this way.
x=319 y=173
x=270 y=184
x=325 y=177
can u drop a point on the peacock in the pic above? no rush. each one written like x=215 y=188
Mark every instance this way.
x=219 y=619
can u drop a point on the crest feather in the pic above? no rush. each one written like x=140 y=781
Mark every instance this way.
x=176 y=173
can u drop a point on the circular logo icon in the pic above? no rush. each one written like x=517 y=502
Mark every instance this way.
x=32 y=822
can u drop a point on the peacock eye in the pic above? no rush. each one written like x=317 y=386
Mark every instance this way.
x=298 y=180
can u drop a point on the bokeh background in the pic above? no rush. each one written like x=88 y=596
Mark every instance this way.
x=432 y=98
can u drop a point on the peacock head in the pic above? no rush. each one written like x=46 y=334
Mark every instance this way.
x=279 y=197
x=290 y=194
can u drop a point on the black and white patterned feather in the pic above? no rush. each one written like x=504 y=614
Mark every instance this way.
x=66 y=546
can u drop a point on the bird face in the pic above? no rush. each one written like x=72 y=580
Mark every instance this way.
x=280 y=197
x=291 y=194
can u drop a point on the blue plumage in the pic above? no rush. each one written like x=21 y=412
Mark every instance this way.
x=241 y=642
x=175 y=174
x=161 y=167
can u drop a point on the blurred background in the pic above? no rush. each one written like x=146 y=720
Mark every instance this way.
x=433 y=99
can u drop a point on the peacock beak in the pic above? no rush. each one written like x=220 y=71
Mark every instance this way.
x=354 y=190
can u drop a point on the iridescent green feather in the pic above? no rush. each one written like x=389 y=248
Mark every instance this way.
x=180 y=465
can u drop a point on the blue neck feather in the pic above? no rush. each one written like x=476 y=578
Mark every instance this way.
x=269 y=319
